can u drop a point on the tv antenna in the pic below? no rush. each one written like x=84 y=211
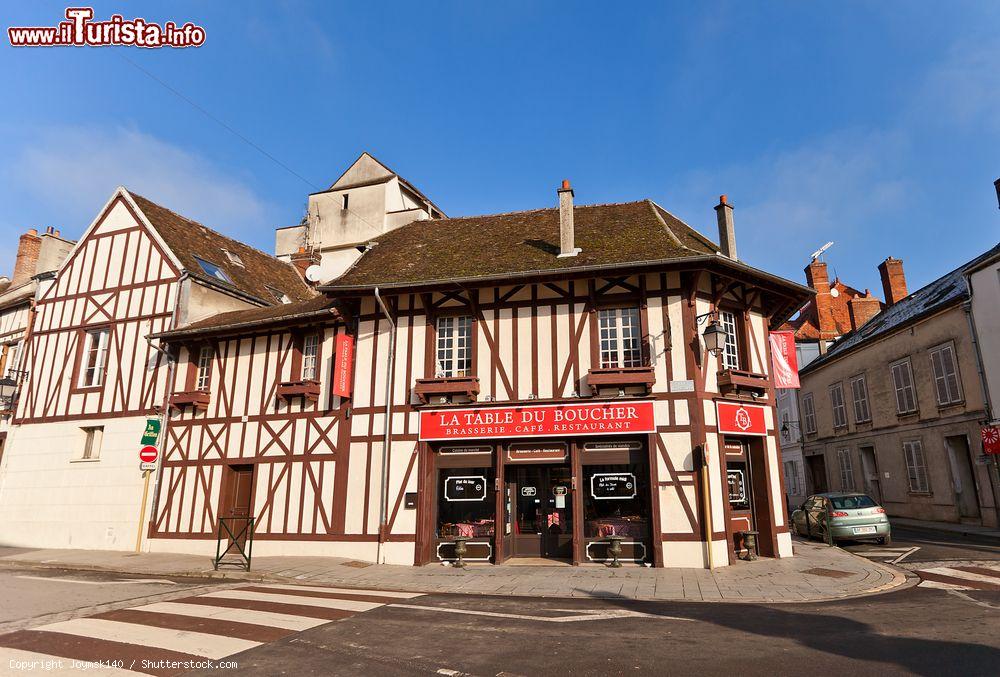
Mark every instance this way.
x=819 y=252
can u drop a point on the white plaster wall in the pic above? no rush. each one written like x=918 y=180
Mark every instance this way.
x=50 y=501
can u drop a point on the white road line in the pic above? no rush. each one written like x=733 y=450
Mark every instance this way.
x=28 y=662
x=347 y=591
x=967 y=575
x=160 y=581
x=882 y=552
x=345 y=604
x=197 y=643
x=266 y=618
x=905 y=555
x=962 y=595
x=941 y=586
x=591 y=616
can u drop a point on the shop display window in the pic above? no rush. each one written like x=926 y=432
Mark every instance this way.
x=616 y=501
x=466 y=502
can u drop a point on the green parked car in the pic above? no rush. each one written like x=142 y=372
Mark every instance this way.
x=842 y=516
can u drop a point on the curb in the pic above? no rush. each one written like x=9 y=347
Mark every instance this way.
x=952 y=532
x=901 y=579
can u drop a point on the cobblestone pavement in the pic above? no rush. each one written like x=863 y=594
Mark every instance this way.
x=816 y=573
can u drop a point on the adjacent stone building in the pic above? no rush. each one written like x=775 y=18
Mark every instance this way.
x=895 y=407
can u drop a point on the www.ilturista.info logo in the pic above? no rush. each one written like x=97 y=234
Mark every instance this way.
x=81 y=31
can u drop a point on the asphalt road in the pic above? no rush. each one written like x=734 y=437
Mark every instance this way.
x=933 y=546
x=911 y=632
x=915 y=631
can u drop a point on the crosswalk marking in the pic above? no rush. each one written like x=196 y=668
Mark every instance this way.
x=196 y=643
x=269 y=618
x=211 y=625
x=344 y=604
x=960 y=578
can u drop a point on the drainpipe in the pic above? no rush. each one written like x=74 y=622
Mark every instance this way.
x=383 y=507
x=165 y=407
x=987 y=406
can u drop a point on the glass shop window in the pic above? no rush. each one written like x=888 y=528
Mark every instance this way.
x=466 y=502
x=616 y=501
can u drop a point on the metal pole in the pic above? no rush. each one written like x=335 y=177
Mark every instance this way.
x=707 y=503
x=142 y=510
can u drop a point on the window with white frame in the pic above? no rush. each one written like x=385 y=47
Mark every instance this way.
x=731 y=349
x=838 y=406
x=310 y=352
x=859 y=390
x=902 y=382
x=946 y=383
x=203 y=375
x=808 y=413
x=95 y=357
x=846 y=470
x=916 y=468
x=454 y=346
x=620 y=336
x=8 y=360
x=92 y=439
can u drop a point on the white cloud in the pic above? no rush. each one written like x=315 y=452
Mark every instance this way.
x=73 y=166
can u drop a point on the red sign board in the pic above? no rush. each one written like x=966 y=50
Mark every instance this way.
x=552 y=420
x=991 y=440
x=343 y=366
x=148 y=454
x=736 y=418
x=784 y=362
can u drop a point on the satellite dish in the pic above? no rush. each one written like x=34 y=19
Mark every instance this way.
x=834 y=292
x=313 y=273
x=819 y=252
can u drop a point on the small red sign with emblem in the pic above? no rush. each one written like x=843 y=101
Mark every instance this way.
x=148 y=454
x=344 y=366
x=736 y=418
x=991 y=440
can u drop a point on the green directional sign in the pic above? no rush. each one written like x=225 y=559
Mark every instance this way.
x=152 y=432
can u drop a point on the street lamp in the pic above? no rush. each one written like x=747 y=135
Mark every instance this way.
x=9 y=385
x=715 y=337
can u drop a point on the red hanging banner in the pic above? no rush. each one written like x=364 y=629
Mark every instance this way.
x=736 y=418
x=343 y=366
x=552 y=420
x=991 y=440
x=784 y=362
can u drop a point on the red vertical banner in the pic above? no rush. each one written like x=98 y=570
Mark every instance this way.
x=784 y=362
x=343 y=366
x=991 y=440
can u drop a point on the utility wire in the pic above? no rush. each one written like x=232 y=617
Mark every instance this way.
x=238 y=135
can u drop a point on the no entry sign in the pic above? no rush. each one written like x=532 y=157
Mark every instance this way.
x=148 y=454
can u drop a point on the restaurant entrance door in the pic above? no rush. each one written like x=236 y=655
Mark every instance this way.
x=542 y=510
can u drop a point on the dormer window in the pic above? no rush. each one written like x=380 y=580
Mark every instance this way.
x=213 y=270
x=279 y=296
x=234 y=258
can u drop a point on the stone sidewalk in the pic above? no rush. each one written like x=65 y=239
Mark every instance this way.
x=816 y=573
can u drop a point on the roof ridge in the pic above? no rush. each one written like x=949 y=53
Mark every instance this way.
x=536 y=210
x=697 y=233
x=209 y=229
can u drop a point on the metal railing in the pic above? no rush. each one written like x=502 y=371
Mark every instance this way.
x=238 y=532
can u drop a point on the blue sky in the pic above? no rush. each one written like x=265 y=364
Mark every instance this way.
x=876 y=125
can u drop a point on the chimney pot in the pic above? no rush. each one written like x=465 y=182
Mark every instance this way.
x=863 y=308
x=893 y=281
x=727 y=228
x=567 y=233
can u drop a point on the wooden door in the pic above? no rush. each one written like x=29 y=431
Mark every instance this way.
x=237 y=501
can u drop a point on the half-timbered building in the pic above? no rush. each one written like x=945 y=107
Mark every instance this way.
x=70 y=474
x=551 y=384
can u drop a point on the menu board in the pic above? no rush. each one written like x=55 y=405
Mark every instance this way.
x=612 y=486
x=737 y=488
x=465 y=488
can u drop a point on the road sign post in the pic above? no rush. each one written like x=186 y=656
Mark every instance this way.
x=148 y=452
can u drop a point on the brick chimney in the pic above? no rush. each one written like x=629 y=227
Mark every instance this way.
x=818 y=278
x=727 y=228
x=567 y=232
x=893 y=281
x=302 y=260
x=863 y=308
x=26 y=263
